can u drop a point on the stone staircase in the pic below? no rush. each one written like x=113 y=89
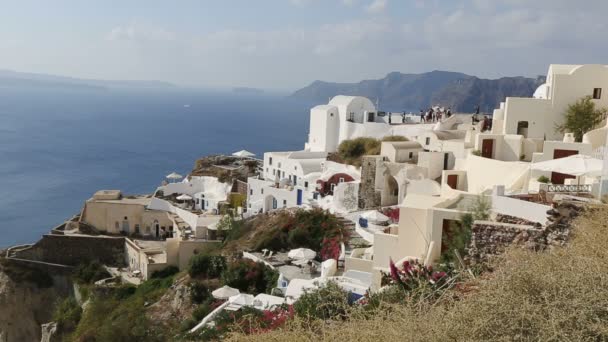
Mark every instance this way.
x=355 y=240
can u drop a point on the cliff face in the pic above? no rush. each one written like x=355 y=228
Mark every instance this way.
x=412 y=92
x=27 y=300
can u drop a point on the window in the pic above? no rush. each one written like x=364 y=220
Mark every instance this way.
x=411 y=155
x=279 y=165
x=331 y=114
x=295 y=167
x=341 y=180
x=262 y=190
x=126 y=218
x=270 y=161
x=306 y=185
x=284 y=203
x=597 y=93
x=274 y=172
x=396 y=192
x=266 y=170
x=427 y=141
x=333 y=186
x=351 y=117
x=283 y=174
x=251 y=191
x=136 y=229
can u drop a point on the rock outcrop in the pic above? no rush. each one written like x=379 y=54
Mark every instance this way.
x=490 y=238
x=24 y=306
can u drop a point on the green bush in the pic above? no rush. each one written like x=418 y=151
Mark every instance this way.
x=249 y=276
x=207 y=266
x=543 y=179
x=67 y=315
x=202 y=311
x=327 y=302
x=165 y=272
x=351 y=151
x=476 y=153
x=88 y=273
x=395 y=138
x=308 y=229
x=199 y=292
x=582 y=117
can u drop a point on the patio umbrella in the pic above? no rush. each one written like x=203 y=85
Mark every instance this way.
x=241 y=299
x=302 y=253
x=243 y=154
x=576 y=165
x=174 y=176
x=225 y=292
x=184 y=197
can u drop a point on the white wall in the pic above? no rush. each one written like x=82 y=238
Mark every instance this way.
x=527 y=210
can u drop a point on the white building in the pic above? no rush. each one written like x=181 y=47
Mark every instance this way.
x=350 y=117
x=536 y=117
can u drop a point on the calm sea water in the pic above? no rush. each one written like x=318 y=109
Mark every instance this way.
x=57 y=147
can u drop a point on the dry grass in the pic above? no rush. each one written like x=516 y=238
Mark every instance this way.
x=561 y=295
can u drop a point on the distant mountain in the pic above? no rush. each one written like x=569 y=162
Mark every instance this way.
x=412 y=92
x=10 y=78
x=247 y=90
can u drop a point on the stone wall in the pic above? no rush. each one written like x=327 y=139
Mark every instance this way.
x=74 y=249
x=369 y=197
x=489 y=239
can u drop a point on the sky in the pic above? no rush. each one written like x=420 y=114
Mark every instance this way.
x=286 y=44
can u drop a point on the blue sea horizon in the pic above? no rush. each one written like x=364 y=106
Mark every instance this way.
x=57 y=147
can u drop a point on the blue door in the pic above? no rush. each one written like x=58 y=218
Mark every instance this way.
x=299 y=196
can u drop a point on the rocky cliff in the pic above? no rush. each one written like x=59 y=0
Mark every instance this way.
x=27 y=300
x=412 y=92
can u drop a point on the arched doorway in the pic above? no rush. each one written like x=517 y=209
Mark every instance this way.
x=270 y=203
x=391 y=191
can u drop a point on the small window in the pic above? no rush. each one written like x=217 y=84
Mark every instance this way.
x=341 y=180
x=295 y=167
x=411 y=155
x=126 y=218
x=331 y=114
x=274 y=172
x=427 y=141
x=333 y=186
x=597 y=93
x=306 y=185
x=270 y=161
x=285 y=203
x=266 y=170
x=262 y=191
x=251 y=191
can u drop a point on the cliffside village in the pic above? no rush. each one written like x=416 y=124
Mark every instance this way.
x=399 y=204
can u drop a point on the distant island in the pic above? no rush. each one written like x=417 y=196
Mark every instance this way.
x=412 y=92
x=247 y=90
x=14 y=79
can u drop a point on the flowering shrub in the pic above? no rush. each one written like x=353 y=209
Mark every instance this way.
x=414 y=275
x=331 y=249
x=392 y=213
x=252 y=321
x=249 y=276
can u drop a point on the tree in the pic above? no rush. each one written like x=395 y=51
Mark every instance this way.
x=581 y=117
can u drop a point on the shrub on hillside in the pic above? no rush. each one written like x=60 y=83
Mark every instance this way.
x=207 y=266
x=250 y=277
x=67 y=315
x=165 y=272
x=307 y=228
x=395 y=138
x=327 y=302
x=351 y=151
x=199 y=292
x=88 y=273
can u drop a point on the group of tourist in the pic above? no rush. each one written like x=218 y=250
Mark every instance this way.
x=435 y=114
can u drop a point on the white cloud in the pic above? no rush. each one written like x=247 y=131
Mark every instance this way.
x=137 y=32
x=377 y=6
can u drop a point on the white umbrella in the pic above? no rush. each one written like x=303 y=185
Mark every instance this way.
x=225 y=292
x=375 y=216
x=302 y=253
x=184 y=197
x=243 y=154
x=241 y=299
x=576 y=165
x=174 y=175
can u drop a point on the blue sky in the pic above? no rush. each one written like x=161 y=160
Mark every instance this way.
x=286 y=44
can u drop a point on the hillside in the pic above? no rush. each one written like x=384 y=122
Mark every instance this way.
x=555 y=295
x=10 y=79
x=412 y=92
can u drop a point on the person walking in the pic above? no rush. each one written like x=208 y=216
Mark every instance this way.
x=477 y=109
x=422 y=116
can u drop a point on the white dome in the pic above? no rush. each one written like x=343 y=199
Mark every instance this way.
x=541 y=92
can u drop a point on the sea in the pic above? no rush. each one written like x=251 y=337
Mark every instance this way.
x=59 y=146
